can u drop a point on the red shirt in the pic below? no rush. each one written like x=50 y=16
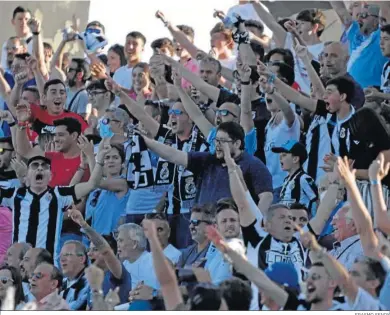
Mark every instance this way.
x=44 y=122
x=296 y=86
x=63 y=169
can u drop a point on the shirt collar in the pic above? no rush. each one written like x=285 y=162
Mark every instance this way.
x=345 y=243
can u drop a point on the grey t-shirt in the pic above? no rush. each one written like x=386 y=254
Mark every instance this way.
x=79 y=104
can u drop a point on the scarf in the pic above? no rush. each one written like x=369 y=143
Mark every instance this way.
x=166 y=171
x=139 y=166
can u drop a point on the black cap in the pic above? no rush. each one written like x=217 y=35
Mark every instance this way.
x=293 y=147
x=205 y=297
x=38 y=158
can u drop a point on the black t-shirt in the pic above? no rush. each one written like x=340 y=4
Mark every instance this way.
x=225 y=96
x=260 y=116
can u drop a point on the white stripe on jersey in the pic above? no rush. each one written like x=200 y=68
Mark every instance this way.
x=385 y=78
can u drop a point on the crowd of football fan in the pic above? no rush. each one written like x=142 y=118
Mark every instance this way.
x=253 y=176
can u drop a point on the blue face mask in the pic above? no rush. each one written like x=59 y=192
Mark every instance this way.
x=105 y=129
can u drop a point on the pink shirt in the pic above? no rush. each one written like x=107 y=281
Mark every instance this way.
x=192 y=66
x=5 y=231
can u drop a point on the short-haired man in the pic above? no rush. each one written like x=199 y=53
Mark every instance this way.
x=227 y=218
x=134 y=47
x=163 y=46
x=15 y=254
x=76 y=95
x=8 y=177
x=203 y=253
x=20 y=17
x=45 y=282
x=299 y=214
x=31 y=259
x=73 y=260
x=14 y=46
x=222 y=45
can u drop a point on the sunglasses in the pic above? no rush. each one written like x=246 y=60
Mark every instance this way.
x=95 y=93
x=176 y=112
x=220 y=141
x=4 y=280
x=224 y=113
x=35 y=165
x=95 y=198
x=195 y=222
x=93 y=31
x=106 y=121
x=3 y=150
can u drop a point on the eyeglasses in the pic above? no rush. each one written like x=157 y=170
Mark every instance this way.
x=224 y=113
x=35 y=165
x=365 y=15
x=220 y=141
x=95 y=198
x=95 y=93
x=70 y=255
x=195 y=222
x=106 y=121
x=4 y=280
x=93 y=30
x=38 y=275
x=3 y=150
x=176 y=112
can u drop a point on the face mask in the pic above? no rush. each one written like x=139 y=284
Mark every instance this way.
x=322 y=195
x=105 y=130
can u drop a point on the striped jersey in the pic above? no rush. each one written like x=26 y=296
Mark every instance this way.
x=385 y=78
x=37 y=219
x=299 y=187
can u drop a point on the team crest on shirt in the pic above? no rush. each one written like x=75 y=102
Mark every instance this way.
x=190 y=186
x=342 y=133
x=49 y=198
x=164 y=173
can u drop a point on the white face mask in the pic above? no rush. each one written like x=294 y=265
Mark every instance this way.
x=322 y=195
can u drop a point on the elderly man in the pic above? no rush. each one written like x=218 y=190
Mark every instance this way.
x=32 y=258
x=73 y=260
x=44 y=282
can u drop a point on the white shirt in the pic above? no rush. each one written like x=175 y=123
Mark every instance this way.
x=142 y=270
x=350 y=249
x=365 y=301
x=172 y=253
x=276 y=136
x=247 y=12
x=301 y=76
x=229 y=63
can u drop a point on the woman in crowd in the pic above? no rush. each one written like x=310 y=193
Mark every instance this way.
x=115 y=58
x=141 y=82
x=10 y=277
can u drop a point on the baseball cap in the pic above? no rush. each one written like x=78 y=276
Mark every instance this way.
x=38 y=158
x=293 y=147
x=205 y=297
x=284 y=274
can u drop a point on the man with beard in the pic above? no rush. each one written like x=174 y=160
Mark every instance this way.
x=366 y=60
x=32 y=258
x=227 y=218
x=76 y=94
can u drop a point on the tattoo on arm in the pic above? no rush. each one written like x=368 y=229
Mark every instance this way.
x=98 y=240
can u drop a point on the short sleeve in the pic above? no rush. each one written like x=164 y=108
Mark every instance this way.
x=227 y=96
x=251 y=142
x=251 y=235
x=197 y=161
x=309 y=188
x=66 y=196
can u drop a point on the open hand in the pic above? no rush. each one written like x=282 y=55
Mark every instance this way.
x=34 y=25
x=378 y=168
x=347 y=173
x=32 y=63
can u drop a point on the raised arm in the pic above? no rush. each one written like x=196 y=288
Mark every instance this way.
x=342 y=12
x=191 y=108
x=288 y=92
x=113 y=263
x=246 y=119
x=164 y=272
x=5 y=89
x=278 y=31
x=167 y=153
x=210 y=91
x=83 y=189
x=136 y=109
x=360 y=214
x=377 y=171
x=38 y=50
x=39 y=78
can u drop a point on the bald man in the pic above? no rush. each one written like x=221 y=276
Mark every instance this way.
x=335 y=58
x=15 y=254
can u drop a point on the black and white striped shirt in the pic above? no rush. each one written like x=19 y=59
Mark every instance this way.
x=385 y=78
x=37 y=219
x=264 y=250
x=299 y=187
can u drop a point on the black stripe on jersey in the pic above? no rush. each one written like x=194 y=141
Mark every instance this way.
x=33 y=219
x=68 y=191
x=20 y=194
x=52 y=224
x=296 y=191
x=313 y=154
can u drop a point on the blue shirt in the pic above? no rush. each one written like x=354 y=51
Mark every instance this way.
x=250 y=141
x=213 y=178
x=366 y=61
x=105 y=208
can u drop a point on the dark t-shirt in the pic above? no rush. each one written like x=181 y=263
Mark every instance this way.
x=260 y=116
x=213 y=177
x=225 y=96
